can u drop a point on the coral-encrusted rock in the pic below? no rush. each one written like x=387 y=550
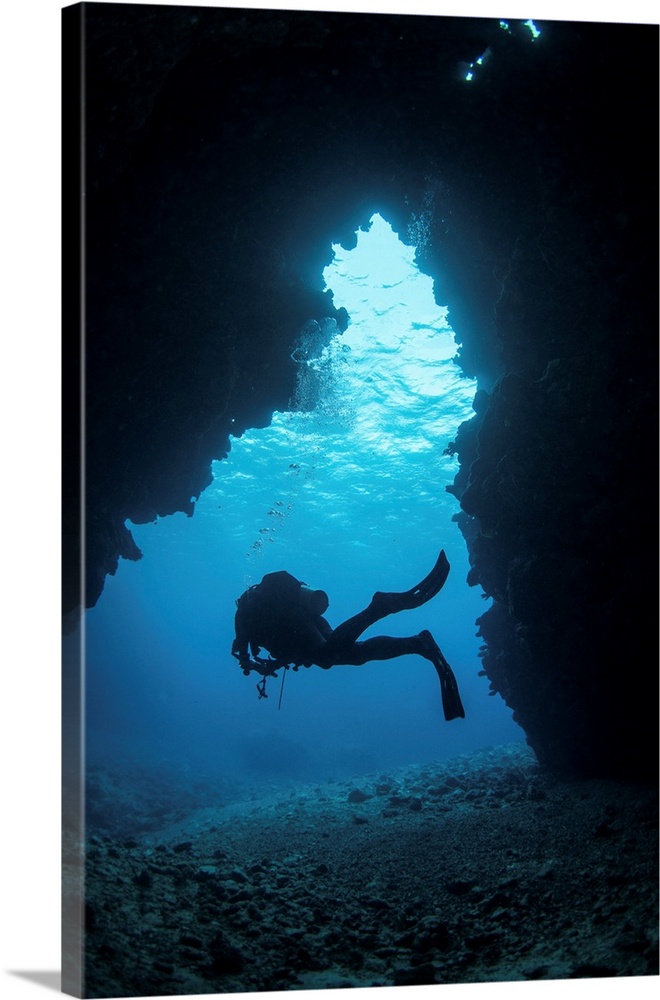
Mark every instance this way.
x=356 y=795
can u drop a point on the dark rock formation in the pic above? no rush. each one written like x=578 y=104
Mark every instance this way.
x=227 y=149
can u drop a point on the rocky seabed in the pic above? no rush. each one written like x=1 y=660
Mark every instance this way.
x=480 y=869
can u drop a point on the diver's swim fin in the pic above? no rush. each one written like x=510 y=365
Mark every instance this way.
x=420 y=594
x=432 y=583
x=452 y=705
x=451 y=699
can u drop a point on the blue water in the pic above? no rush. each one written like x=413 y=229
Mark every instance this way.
x=349 y=497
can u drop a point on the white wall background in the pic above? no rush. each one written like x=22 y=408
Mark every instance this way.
x=29 y=396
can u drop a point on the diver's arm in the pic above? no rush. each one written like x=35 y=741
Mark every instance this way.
x=240 y=651
x=239 y=647
x=247 y=663
x=243 y=642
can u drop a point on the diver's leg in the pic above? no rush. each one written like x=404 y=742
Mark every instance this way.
x=380 y=647
x=349 y=631
x=383 y=604
x=384 y=647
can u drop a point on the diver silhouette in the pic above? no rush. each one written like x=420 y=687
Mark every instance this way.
x=285 y=617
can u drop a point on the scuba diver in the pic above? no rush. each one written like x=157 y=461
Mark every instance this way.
x=285 y=617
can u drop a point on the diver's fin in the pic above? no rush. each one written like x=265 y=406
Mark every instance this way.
x=432 y=583
x=451 y=699
x=452 y=705
x=420 y=594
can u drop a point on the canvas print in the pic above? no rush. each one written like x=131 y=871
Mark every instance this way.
x=360 y=489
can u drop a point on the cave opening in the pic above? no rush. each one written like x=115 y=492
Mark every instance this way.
x=373 y=411
x=347 y=491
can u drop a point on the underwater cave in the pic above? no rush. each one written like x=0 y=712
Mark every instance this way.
x=212 y=206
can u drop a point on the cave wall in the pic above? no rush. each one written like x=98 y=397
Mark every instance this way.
x=226 y=150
